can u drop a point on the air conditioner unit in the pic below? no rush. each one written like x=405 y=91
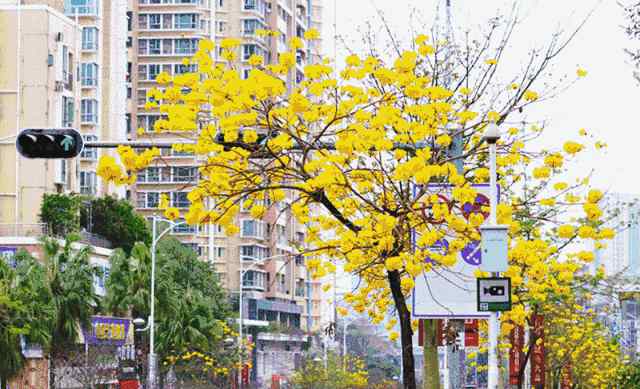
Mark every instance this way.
x=59 y=37
x=59 y=87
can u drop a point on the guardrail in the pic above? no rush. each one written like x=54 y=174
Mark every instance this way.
x=21 y=229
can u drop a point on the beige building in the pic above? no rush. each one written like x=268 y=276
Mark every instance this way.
x=163 y=32
x=59 y=67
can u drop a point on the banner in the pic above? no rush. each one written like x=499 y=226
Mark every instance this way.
x=516 y=355
x=107 y=330
x=471 y=333
x=537 y=351
x=439 y=332
x=565 y=382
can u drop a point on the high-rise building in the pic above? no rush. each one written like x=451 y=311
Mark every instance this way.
x=621 y=256
x=163 y=33
x=61 y=62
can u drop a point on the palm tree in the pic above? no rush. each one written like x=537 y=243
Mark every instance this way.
x=70 y=278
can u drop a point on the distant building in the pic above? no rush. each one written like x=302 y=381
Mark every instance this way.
x=621 y=256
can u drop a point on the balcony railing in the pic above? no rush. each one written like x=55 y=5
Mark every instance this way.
x=80 y=7
x=35 y=230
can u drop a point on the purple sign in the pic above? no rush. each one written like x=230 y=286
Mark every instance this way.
x=472 y=254
x=8 y=254
x=441 y=246
x=107 y=330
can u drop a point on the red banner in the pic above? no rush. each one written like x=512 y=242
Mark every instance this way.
x=471 y=334
x=565 y=382
x=439 y=331
x=516 y=355
x=245 y=374
x=537 y=351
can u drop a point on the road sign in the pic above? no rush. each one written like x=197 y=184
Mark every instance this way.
x=494 y=294
x=49 y=143
x=450 y=291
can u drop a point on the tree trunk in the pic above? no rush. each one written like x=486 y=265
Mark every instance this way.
x=406 y=333
x=3 y=383
x=431 y=374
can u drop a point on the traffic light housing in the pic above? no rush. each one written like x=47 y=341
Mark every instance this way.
x=49 y=143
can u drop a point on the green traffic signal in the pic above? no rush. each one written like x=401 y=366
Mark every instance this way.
x=49 y=143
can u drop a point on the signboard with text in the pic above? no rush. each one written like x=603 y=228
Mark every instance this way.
x=537 y=351
x=107 y=330
x=449 y=291
x=516 y=354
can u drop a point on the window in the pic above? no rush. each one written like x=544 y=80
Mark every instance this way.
x=128 y=115
x=248 y=51
x=167 y=46
x=186 y=46
x=142 y=96
x=154 y=70
x=147 y=121
x=89 y=111
x=254 y=253
x=167 y=21
x=89 y=74
x=100 y=278
x=218 y=252
x=221 y=26
x=300 y=238
x=154 y=46
x=81 y=7
x=147 y=199
x=67 y=111
x=185 y=21
x=181 y=68
x=282 y=234
x=249 y=26
x=155 y=21
x=129 y=20
x=89 y=153
x=300 y=289
x=249 y=4
x=220 y=3
x=194 y=246
x=142 y=46
x=253 y=279
x=180 y=200
x=281 y=284
x=87 y=183
x=300 y=260
x=143 y=21
x=184 y=174
x=89 y=38
x=253 y=229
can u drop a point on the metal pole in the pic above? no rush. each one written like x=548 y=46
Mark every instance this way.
x=240 y=325
x=152 y=355
x=493 y=318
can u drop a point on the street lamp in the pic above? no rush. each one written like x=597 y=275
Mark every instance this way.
x=153 y=362
x=242 y=273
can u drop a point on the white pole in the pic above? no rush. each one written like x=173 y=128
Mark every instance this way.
x=152 y=355
x=240 y=325
x=344 y=340
x=493 y=318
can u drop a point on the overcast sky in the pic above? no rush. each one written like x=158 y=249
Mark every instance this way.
x=606 y=102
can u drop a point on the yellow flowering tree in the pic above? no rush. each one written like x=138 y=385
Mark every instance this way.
x=351 y=153
x=340 y=373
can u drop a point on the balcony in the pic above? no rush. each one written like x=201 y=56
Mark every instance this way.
x=81 y=7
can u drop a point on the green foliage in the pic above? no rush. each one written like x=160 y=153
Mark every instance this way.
x=190 y=303
x=26 y=309
x=61 y=213
x=630 y=376
x=117 y=221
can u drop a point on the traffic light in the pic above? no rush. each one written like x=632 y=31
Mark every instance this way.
x=49 y=143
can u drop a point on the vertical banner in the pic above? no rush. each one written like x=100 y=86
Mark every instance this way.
x=537 y=351
x=421 y=332
x=471 y=334
x=516 y=355
x=439 y=332
x=565 y=382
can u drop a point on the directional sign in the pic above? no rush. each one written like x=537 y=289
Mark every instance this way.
x=49 y=143
x=494 y=294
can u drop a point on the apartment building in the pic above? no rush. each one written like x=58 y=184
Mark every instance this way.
x=161 y=34
x=60 y=66
x=38 y=88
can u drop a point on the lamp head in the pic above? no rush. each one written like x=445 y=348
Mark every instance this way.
x=139 y=322
x=491 y=134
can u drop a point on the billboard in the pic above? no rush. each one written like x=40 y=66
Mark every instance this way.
x=107 y=330
x=450 y=292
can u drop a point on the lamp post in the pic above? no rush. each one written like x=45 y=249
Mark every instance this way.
x=153 y=361
x=240 y=303
x=491 y=136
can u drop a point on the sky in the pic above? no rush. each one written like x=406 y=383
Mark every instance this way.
x=606 y=102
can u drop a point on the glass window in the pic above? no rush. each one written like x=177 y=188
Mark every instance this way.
x=90 y=153
x=89 y=111
x=252 y=229
x=87 y=182
x=89 y=74
x=155 y=21
x=167 y=21
x=186 y=46
x=249 y=4
x=142 y=72
x=180 y=200
x=154 y=46
x=249 y=50
x=89 y=38
x=142 y=96
x=181 y=68
x=167 y=46
x=67 y=111
x=81 y=7
x=185 y=21
x=142 y=46
x=249 y=26
x=184 y=174
x=153 y=199
x=184 y=228
x=154 y=70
